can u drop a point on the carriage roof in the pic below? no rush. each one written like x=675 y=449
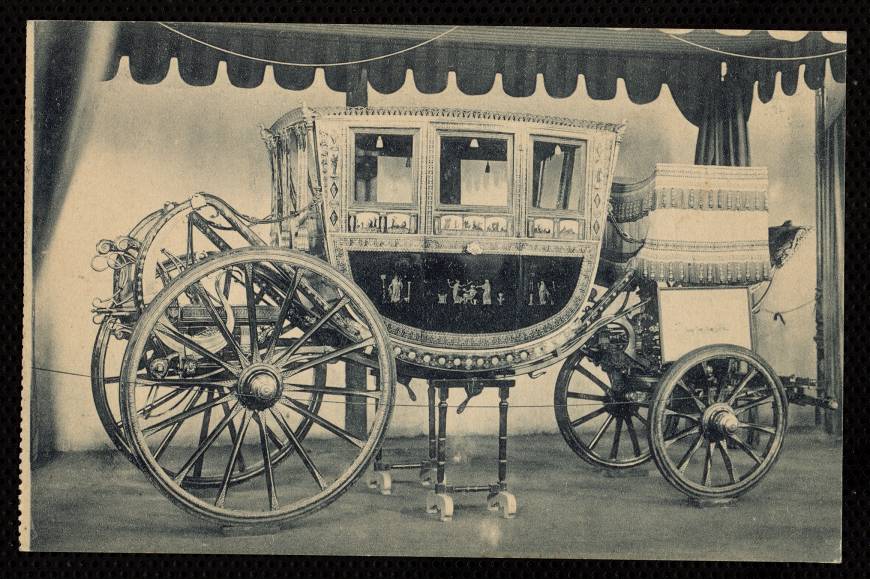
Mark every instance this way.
x=305 y=113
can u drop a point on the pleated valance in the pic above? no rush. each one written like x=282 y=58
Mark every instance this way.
x=687 y=61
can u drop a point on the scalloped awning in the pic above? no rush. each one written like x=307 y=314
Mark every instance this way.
x=686 y=60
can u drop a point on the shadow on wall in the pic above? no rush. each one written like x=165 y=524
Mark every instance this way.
x=150 y=144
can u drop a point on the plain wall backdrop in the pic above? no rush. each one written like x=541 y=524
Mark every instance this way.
x=151 y=144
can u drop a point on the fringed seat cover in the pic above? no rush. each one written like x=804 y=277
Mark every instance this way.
x=690 y=224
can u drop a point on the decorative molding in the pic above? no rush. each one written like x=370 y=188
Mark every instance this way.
x=452 y=113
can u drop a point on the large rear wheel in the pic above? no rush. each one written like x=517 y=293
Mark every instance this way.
x=244 y=382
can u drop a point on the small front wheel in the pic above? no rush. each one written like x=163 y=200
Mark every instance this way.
x=718 y=395
x=600 y=417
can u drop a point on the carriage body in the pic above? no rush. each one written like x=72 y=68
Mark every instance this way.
x=476 y=234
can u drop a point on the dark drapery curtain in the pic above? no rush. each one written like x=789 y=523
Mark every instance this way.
x=70 y=57
x=723 y=138
x=830 y=248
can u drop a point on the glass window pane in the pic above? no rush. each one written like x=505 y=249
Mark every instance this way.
x=558 y=176
x=474 y=171
x=384 y=168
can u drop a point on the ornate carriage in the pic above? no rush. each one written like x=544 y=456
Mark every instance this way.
x=460 y=247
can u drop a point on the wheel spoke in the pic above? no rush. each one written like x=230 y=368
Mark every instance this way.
x=600 y=433
x=743 y=383
x=694 y=419
x=199 y=453
x=252 y=313
x=173 y=333
x=584 y=396
x=324 y=423
x=758 y=427
x=146 y=410
x=586 y=418
x=233 y=436
x=310 y=331
x=684 y=462
x=330 y=356
x=185 y=384
x=745 y=448
x=708 y=465
x=220 y=323
x=187 y=413
x=614 y=449
x=203 y=433
x=753 y=404
x=726 y=458
x=231 y=464
x=303 y=454
x=637 y=415
x=635 y=443
x=701 y=406
x=593 y=378
x=331 y=390
x=267 y=463
x=164 y=444
x=685 y=433
x=282 y=314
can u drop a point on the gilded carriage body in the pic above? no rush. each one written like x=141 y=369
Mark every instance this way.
x=476 y=234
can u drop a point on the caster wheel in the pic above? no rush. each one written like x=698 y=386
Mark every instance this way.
x=504 y=502
x=381 y=480
x=441 y=504
x=427 y=477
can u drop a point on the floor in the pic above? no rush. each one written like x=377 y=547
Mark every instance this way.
x=100 y=502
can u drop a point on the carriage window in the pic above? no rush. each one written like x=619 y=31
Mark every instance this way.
x=383 y=168
x=558 y=175
x=474 y=171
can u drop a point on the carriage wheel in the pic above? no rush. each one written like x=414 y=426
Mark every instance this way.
x=110 y=338
x=603 y=422
x=713 y=391
x=168 y=233
x=258 y=381
x=105 y=388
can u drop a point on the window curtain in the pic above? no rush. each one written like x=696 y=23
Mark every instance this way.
x=723 y=138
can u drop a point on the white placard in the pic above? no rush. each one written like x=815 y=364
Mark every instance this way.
x=693 y=317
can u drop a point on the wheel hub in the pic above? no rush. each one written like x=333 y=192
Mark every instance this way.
x=259 y=386
x=720 y=421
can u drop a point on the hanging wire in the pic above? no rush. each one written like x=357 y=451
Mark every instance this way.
x=449 y=31
x=307 y=64
x=753 y=56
